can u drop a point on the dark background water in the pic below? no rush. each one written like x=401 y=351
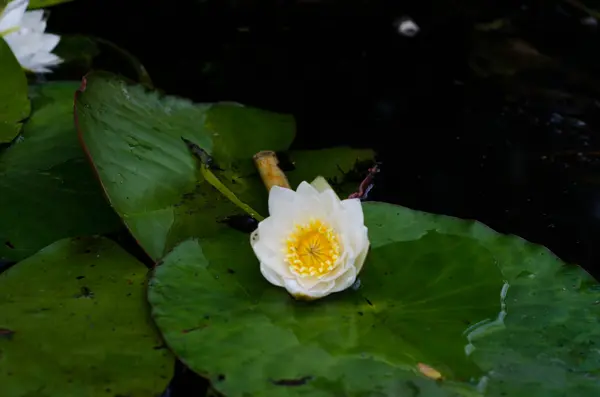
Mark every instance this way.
x=499 y=125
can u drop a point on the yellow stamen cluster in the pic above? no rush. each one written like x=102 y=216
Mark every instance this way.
x=312 y=249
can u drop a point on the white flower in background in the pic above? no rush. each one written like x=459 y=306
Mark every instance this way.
x=23 y=31
x=312 y=243
x=407 y=27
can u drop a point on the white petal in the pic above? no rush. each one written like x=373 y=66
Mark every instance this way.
x=291 y=207
x=271 y=276
x=353 y=208
x=24 y=44
x=281 y=200
x=272 y=232
x=330 y=202
x=49 y=42
x=321 y=184
x=342 y=267
x=46 y=58
x=292 y=286
x=360 y=260
x=12 y=14
x=295 y=289
x=34 y=21
x=271 y=258
x=322 y=289
x=38 y=69
x=308 y=282
x=350 y=250
x=17 y=42
x=306 y=190
x=345 y=280
x=26 y=61
x=351 y=223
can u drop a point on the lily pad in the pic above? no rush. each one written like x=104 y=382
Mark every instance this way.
x=14 y=104
x=441 y=297
x=133 y=137
x=73 y=322
x=49 y=191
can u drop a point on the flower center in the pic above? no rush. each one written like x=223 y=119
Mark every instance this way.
x=312 y=249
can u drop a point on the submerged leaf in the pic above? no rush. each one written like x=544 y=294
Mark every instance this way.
x=77 y=48
x=79 y=327
x=82 y=50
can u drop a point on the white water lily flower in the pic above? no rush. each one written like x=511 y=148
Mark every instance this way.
x=23 y=31
x=312 y=244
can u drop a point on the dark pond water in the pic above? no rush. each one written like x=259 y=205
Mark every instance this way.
x=492 y=121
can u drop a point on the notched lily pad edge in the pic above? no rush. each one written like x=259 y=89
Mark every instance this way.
x=485 y=235
x=151 y=273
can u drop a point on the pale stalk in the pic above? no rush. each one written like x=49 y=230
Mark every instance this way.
x=268 y=167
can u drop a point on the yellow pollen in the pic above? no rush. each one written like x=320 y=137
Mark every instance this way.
x=312 y=249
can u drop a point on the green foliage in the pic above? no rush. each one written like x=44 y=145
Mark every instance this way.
x=73 y=323
x=33 y=4
x=489 y=314
x=479 y=307
x=48 y=188
x=153 y=181
x=14 y=105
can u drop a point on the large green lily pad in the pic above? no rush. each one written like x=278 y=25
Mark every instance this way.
x=495 y=315
x=48 y=190
x=14 y=104
x=74 y=322
x=133 y=137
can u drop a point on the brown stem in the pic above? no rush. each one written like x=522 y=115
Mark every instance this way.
x=366 y=184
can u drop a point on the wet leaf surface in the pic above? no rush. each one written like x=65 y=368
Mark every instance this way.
x=48 y=189
x=133 y=137
x=73 y=322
